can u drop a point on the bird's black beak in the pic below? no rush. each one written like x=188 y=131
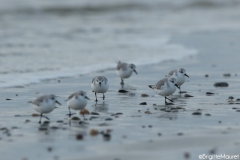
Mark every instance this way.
x=100 y=84
x=186 y=75
x=58 y=103
x=177 y=86
x=135 y=71
x=87 y=97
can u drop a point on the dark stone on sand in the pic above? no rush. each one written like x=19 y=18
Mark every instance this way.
x=49 y=149
x=16 y=94
x=108 y=119
x=8 y=99
x=94 y=113
x=122 y=91
x=186 y=155
x=14 y=127
x=75 y=118
x=235 y=108
x=60 y=121
x=103 y=124
x=54 y=127
x=93 y=132
x=35 y=115
x=238 y=99
x=46 y=122
x=221 y=84
x=180 y=134
x=79 y=137
x=149 y=126
x=188 y=95
x=159 y=134
x=27 y=121
x=207 y=114
x=196 y=113
x=143 y=103
x=43 y=128
x=93 y=117
x=119 y=113
x=212 y=151
x=17 y=115
x=227 y=75
x=206 y=75
x=144 y=95
x=147 y=112
x=209 y=93
x=106 y=136
x=219 y=121
x=238 y=110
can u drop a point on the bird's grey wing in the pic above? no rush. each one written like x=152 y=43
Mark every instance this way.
x=122 y=66
x=171 y=72
x=72 y=95
x=160 y=83
x=39 y=100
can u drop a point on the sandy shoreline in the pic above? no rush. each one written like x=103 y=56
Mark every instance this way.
x=135 y=135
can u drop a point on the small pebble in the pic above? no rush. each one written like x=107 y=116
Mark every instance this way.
x=144 y=95
x=238 y=110
x=227 y=75
x=206 y=75
x=122 y=91
x=188 y=95
x=196 y=113
x=106 y=136
x=119 y=113
x=54 y=127
x=84 y=112
x=207 y=114
x=35 y=115
x=75 y=118
x=60 y=121
x=221 y=84
x=209 y=93
x=16 y=94
x=93 y=132
x=108 y=119
x=219 y=121
x=149 y=126
x=186 y=155
x=49 y=149
x=159 y=134
x=79 y=137
x=27 y=121
x=8 y=99
x=143 y=103
x=94 y=113
x=180 y=134
x=238 y=99
x=147 y=112
x=17 y=115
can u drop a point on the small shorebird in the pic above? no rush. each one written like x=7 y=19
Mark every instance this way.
x=77 y=101
x=179 y=75
x=124 y=70
x=44 y=104
x=99 y=85
x=165 y=87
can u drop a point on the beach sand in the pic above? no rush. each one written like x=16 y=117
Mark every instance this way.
x=172 y=133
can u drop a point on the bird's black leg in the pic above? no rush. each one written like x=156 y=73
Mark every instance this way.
x=96 y=96
x=169 y=99
x=70 y=114
x=103 y=96
x=40 y=118
x=122 y=83
x=180 y=90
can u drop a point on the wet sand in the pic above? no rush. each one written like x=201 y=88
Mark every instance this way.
x=127 y=131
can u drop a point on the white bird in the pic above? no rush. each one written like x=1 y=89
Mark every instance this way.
x=165 y=87
x=124 y=70
x=179 y=75
x=45 y=104
x=99 y=85
x=77 y=101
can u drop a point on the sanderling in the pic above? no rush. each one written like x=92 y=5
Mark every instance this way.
x=77 y=101
x=165 y=87
x=179 y=75
x=99 y=85
x=124 y=70
x=44 y=104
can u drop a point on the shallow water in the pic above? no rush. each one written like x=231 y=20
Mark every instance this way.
x=49 y=39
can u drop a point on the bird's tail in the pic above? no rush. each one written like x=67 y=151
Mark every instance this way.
x=151 y=86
